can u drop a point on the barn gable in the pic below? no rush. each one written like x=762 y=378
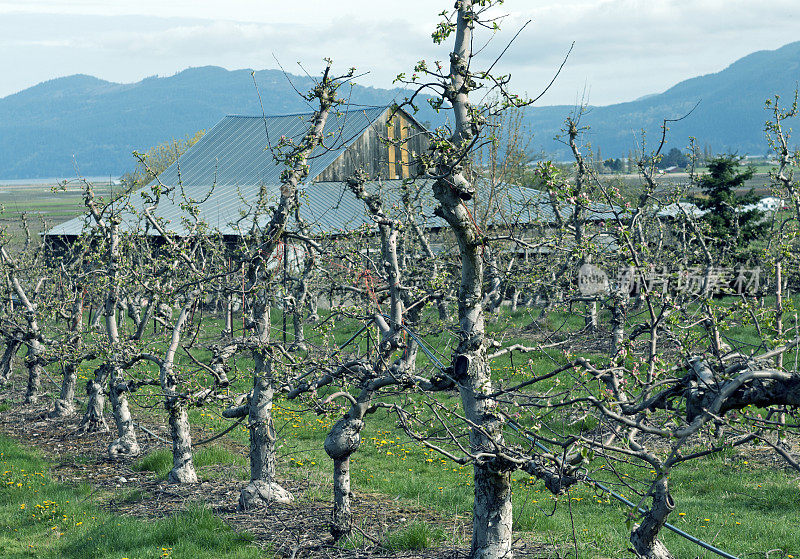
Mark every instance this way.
x=371 y=152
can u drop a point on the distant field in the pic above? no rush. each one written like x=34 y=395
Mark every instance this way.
x=45 y=205
x=630 y=183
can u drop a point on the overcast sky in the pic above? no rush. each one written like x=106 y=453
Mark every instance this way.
x=623 y=48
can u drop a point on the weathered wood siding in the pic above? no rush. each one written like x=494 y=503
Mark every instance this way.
x=373 y=152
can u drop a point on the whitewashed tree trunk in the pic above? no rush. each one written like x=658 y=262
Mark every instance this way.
x=179 y=430
x=492 y=511
x=229 y=315
x=313 y=307
x=342 y=518
x=126 y=443
x=494 y=296
x=65 y=405
x=263 y=488
x=342 y=441
x=300 y=294
x=93 y=420
x=182 y=463
x=34 y=361
x=492 y=508
x=515 y=293
x=618 y=316
x=592 y=322
x=94 y=323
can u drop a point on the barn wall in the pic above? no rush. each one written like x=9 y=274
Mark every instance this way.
x=372 y=153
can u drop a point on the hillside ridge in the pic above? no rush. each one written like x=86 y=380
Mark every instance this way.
x=93 y=124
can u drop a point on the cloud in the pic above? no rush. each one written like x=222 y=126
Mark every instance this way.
x=236 y=45
x=624 y=48
x=47 y=43
x=214 y=38
x=627 y=48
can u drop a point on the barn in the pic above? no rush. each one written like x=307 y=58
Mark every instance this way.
x=229 y=169
x=225 y=172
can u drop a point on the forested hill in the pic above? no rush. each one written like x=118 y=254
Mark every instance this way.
x=730 y=116
x=100 y=123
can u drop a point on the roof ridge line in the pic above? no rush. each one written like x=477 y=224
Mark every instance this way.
x=363 y=108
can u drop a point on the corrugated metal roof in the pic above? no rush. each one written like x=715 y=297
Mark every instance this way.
x=333 y=208
x=235 y=152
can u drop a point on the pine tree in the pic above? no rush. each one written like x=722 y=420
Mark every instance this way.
x=731 y=226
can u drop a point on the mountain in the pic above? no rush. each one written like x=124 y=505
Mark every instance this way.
x=50 y=128
x=730 y=115
x=93 y=124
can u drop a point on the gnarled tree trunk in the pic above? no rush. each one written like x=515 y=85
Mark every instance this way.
x=180 y=433
x=342 y=441
x=35 y=364
x=182 y=463
x=7 y=360
x=262 y=488
x=93 y=420
x=644 y=536
x=126 y=443
x=492 y=512
x=65 y=405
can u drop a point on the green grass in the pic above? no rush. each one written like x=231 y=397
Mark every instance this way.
x=130 y=496
x=160 y=461
x=43 y=519
x=214 y=455
x=748 y=508
x=417 y=536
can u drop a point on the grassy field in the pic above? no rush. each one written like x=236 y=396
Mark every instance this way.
x=44 y=519
x=44 y=205
x=741 y=501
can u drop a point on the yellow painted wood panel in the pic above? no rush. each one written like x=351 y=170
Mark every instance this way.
x=390 y=134
x=404 y=148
